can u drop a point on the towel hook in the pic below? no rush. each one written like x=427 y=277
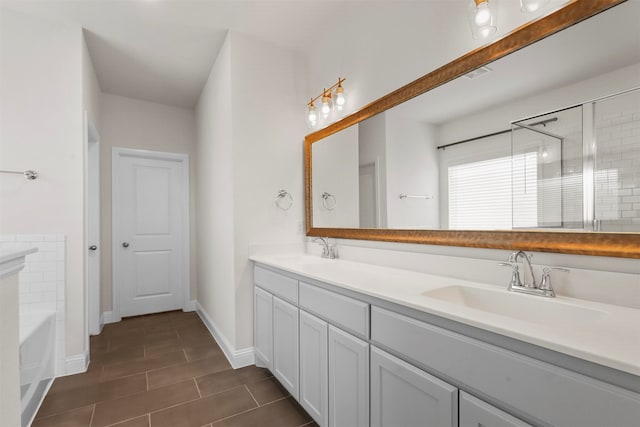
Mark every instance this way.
x=329 y=201
x=284 y=200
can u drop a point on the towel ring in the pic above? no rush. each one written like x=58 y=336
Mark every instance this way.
x=284 y=200
x=329 y=201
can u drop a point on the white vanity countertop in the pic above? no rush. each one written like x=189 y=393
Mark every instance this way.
x=612 y=339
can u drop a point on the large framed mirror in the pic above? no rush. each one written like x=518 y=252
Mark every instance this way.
x=532 y=143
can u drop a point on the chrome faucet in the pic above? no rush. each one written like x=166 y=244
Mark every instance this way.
x=530 y=287
x=526 y=264
x=328 y=251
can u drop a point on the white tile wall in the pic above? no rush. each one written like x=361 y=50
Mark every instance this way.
x=618 y=171
x=42 y=281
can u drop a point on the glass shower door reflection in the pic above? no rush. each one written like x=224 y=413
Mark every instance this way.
x=547 y=171
x=617 y=163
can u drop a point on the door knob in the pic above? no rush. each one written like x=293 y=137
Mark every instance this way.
x=125 y=244
x=93 y=247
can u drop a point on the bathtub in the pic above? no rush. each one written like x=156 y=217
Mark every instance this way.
x=37 y=364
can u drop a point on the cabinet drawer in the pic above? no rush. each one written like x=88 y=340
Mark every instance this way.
x=282 y=286
x=474 y=412
x=527 y=387
x=344 y=312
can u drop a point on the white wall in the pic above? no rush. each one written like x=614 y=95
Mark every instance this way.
x=131 y=123
x=412 y=169
x=250 y=135
x=372 y=146
x=335 y=171
x=214 y=197
x=267 y=84
x=41 y=128
x=90 y=87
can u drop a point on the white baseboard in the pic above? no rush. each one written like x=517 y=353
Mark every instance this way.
x=237 y=358
x=76 y=364
x=110 y=317
x=243 y=357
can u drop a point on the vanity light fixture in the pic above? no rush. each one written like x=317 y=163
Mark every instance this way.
x=328 y=106
x=312 y=116
x=529 y=6
x=340 y=100
x=483 y=15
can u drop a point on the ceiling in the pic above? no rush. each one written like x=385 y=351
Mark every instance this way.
x=163 y=50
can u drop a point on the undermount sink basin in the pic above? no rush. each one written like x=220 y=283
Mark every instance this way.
x=528 y=308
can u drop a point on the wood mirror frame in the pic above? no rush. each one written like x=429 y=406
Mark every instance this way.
x=625 y=245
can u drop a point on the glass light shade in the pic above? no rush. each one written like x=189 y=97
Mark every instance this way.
x=483 y=14
x=483 y=17
x=529 y=6
x=312 y=117
x=340 y=99
x=326 y=106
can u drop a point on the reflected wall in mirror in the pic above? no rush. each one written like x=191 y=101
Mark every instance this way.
x=535 y=140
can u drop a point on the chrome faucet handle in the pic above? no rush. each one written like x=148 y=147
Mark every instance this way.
x=515 y=273
x=545 y=282
x=333 y=252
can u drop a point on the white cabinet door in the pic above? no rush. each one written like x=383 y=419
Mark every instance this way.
x=314 y=377
x=263 y=328
x=285 y=345
x=348 y=380
x=405 y=396
x=477 y=413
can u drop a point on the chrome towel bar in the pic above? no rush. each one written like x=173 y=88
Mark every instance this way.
x=28 y=174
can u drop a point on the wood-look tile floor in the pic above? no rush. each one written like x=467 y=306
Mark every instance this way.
x=165 y=370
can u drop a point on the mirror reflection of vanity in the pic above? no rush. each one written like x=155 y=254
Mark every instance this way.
x=543 y=142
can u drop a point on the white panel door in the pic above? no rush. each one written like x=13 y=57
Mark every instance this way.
x=348 y=380
x=314 y=377
x=403 y=395
x=263 y=328
x=285 y=345
x=148 y=234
